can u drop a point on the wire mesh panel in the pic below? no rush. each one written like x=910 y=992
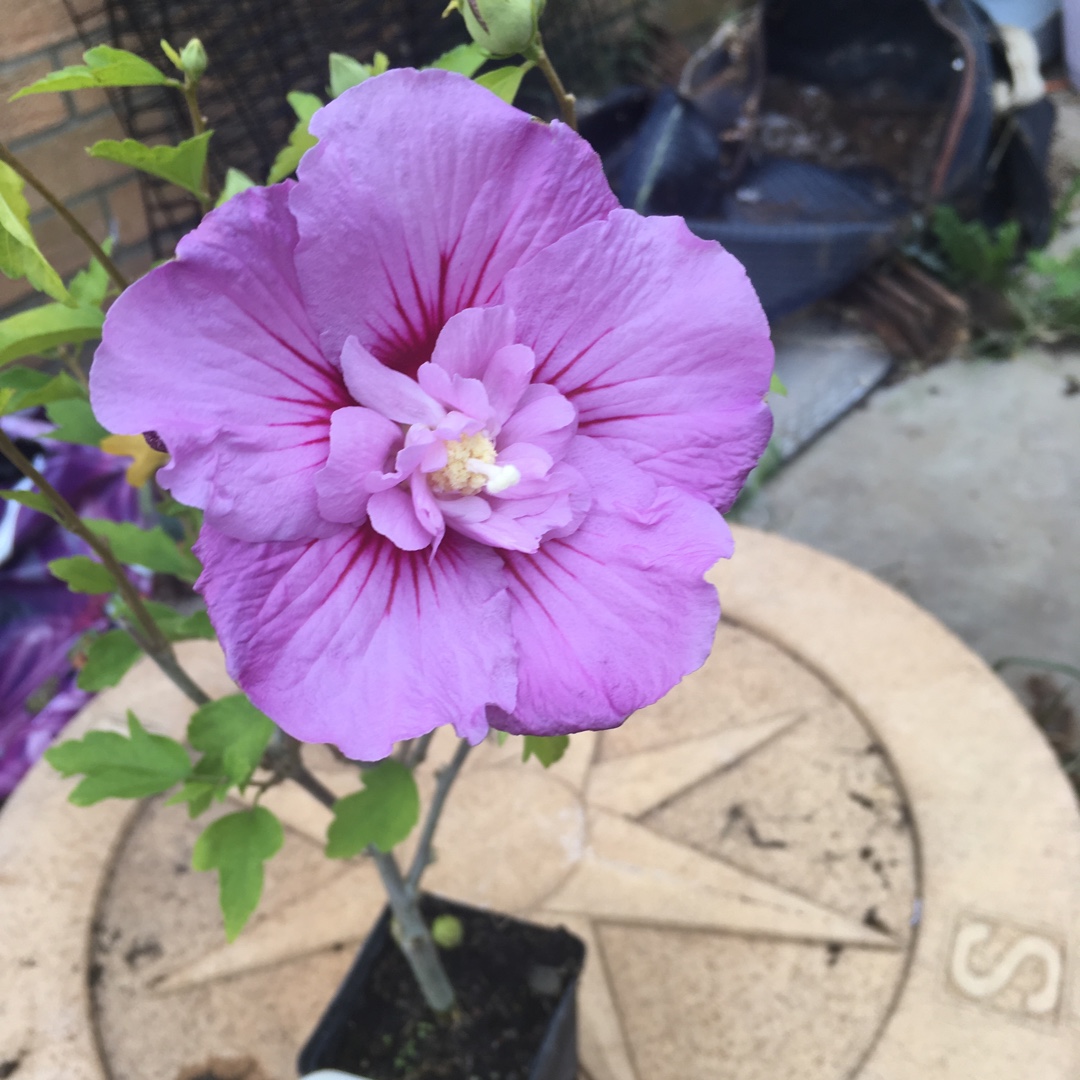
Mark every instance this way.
x=262 y=49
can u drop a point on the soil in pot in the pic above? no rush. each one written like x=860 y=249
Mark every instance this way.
x=509 y=977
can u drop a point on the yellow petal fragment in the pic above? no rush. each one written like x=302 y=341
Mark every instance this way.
x=145 y=460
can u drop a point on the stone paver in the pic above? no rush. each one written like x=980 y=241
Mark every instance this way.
x=838 y=851
x=960 y=487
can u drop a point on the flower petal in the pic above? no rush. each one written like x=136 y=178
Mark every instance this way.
x=393 y=515
x=507 y=378
x=665 y=353
x=387 y=391
x=467 y=396
x=352 y=641
x=244 y=486
x=543 y=418
x=376 y=260
x=608 y=619
x=360 y=442
x=218 y=342
x=471 y=338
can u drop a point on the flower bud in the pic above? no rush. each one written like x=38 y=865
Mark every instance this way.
x=501 y=27
x=193 y=60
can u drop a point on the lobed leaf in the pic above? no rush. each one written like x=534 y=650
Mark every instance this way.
x=465 y=59
x=89 y=287
x=182 y=165
x=345 y=72
x=75 y=422
x=505 y=82
x=232 y=735
x=33 y=332
x=152 y=548
x=104 y=66
x=235 y=182
x=547 y=749
x=174 y=625
x=199 y=794
x=381 y=815
x=300 y=139
x=109 y=658
x=33 y=500
x=20 y=257
x=26 y=388
x=236 y=846
x=83 y=574
x=117 y=767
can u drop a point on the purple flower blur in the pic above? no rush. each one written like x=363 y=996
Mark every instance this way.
x=40 y=619
x=458 y=422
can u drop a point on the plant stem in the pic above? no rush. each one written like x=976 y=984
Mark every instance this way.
x=295 y=769
x=69 y=218
x=198 y=126
x=445 y=781
x=415 y=750
x=71 y=362
x=147 y=632
x=414 y=937
x=567 y=101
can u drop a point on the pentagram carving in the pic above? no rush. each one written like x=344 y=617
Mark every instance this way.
x=840 y=851
x=743 y=841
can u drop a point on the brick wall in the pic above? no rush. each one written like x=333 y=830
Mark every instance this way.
x=50 y=132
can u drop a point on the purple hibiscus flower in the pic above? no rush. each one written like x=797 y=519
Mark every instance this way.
x=459 y=424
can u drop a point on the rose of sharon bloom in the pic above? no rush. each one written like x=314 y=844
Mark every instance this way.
x=459 y=424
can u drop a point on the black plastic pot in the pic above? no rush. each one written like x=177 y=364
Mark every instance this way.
x=555 y=1057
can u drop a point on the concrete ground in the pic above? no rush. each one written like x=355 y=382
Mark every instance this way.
x=960 y=487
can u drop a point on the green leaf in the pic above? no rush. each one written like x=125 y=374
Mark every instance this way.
x=199 y=794
x=177 y=626
x=236 y=846
x=232 y=735
x=26 y=388
x=83 y=574
x=172 y=54
x=75 y=422
x=383 y=814
x=20 y=257
x=345 y=72
x=547 y=749
x=300 y=140
x=33 y=500
x=505 y=82
x=33 y=332
x=119 y=767
x=182 y=165
x=104 y=66
x=235 y=182
x=776 y=385
x=89 y=287
x=108 y=660
x=465 y=59
x=152 y=548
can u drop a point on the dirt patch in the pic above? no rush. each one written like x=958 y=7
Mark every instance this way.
x=246 y=1068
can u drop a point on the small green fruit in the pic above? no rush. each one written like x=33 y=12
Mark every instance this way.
x=447 y=931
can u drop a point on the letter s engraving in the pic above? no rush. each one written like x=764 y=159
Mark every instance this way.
x=984 y=985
